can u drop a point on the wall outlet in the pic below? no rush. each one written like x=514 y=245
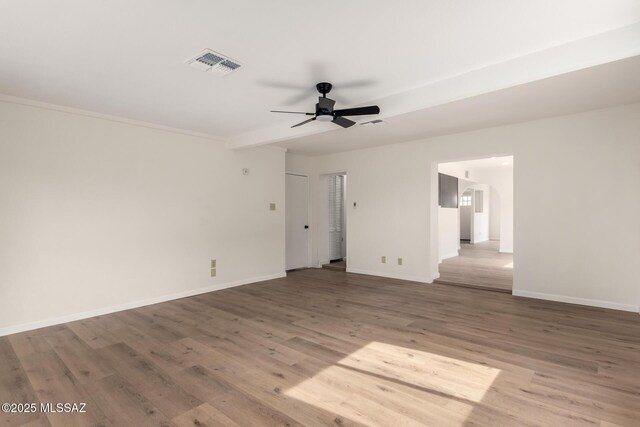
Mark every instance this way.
x=272 y=206
x=399 y=261
x=213 y=272
x=213 y=263
x=383 y=259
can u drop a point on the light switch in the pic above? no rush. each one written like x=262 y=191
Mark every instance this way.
x=272 y=206
x=399 y=261
x=383 y=259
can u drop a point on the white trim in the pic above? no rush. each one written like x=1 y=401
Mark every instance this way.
x=393 y=275
x=273 y=147
x=339 y=172
x=576 y=300
x=8 y=330
x=70 y=110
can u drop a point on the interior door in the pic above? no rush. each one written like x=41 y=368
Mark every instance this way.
x=466 y=215
x=296 y=218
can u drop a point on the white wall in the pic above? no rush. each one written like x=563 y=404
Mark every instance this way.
x=572 y=242
x=500 y=179
x=97 y=214
x=295 y=163
x=448 y=233
x=494 y=220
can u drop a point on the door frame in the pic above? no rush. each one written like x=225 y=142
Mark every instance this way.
x=309 y=215
x=433 y=236
x=319 y=204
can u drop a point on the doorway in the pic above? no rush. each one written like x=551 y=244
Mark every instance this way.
x=297 y=221
x=336 y=232
x=475 y=223
x=466 y=224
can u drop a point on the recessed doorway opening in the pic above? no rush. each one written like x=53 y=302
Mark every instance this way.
x=475 y=223
x=333 y=254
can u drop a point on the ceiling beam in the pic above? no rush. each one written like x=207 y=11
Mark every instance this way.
x=575 y=55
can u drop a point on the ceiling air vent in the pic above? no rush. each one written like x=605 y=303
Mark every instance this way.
x=374 y=122
x=209 y=60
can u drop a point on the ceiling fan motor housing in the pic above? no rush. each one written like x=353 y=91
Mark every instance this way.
x=324 y=87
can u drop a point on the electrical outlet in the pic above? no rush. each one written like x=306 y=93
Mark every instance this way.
x=213 y=263
x=213 y=272
x=383 y=259
x=399 y=261
x=272 y=206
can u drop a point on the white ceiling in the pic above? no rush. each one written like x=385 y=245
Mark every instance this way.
x=615 y=83
x=126 y=58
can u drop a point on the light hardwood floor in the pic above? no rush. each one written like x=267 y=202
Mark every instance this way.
x=479 y=265
x=337 y=266
x=328 y=348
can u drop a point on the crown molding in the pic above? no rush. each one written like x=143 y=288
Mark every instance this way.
x=77 y=111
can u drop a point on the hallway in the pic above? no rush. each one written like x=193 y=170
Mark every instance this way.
x=479 y=265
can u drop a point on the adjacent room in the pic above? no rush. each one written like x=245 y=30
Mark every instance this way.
x=475 y=223
x=363 y=213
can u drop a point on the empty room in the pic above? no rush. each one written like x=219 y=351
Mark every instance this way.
x=292 y=213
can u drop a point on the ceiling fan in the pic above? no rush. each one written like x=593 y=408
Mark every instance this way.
x=326 y=113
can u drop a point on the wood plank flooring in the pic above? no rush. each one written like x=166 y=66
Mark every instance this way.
x=327 y=348
x=336 y=265
x=479 y=265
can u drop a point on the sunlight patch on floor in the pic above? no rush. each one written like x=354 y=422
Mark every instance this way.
x=509 y=265
x=380 y=382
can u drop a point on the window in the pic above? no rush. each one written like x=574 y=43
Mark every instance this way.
x=465 y=200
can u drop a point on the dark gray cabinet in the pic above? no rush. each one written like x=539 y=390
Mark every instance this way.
x=447 y=191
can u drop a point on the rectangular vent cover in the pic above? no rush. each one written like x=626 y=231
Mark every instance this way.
x=373 y=122
x=209 y=60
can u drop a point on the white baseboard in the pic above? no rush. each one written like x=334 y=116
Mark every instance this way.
x=392 y=275
x=8 y=330
x=449 y=255
x=575 y=300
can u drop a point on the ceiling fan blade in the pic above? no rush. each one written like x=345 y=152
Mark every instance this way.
x=359 y=111
x=345 y=123
x=302 y=123
x=293 y=112
x=326 y=103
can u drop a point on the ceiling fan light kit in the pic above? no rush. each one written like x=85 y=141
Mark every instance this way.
x=326 y=113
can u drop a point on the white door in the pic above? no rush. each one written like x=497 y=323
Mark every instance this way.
x=466 y=215
x=296 y=217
